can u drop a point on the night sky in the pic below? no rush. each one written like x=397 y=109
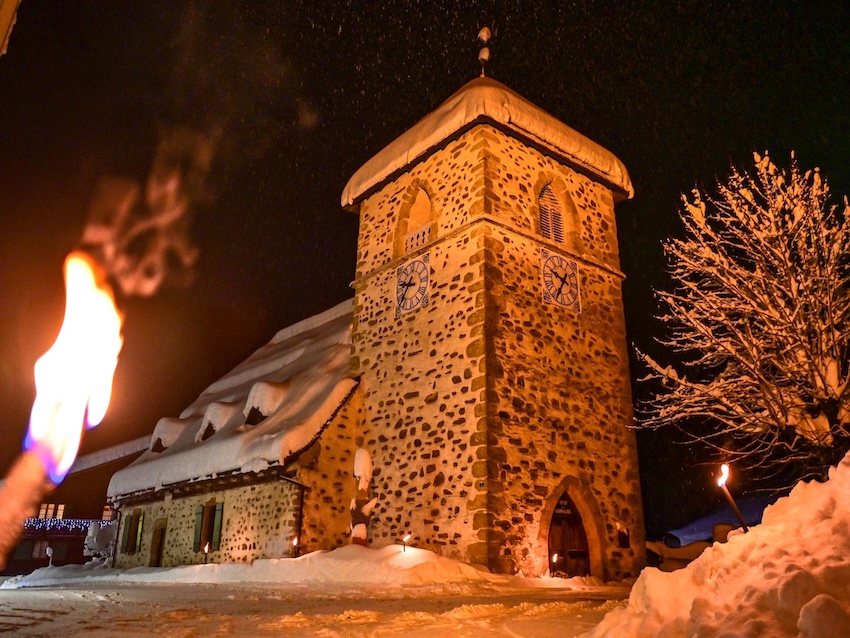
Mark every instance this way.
x=302 y=94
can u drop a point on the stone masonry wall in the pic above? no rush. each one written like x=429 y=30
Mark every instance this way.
x=560 y=403
x=258 y=521
x=482 y=408
x=326 y=469
x=421 y=374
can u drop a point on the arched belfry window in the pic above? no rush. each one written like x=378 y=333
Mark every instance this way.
x=551 y=215
x=417 y=223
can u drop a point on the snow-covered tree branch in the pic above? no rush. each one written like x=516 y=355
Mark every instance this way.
x=758 y=319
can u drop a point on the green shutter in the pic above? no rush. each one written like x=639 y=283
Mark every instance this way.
x=139 y=532
x=132 y=526
x=125 y=535
x=216 y=538
x=199 y=520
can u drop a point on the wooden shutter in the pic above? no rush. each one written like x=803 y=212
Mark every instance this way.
x=216 y=535
x=199 y=524
x=125 y=535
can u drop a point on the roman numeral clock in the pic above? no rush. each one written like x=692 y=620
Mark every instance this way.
x=413 y=281
x=559 y=277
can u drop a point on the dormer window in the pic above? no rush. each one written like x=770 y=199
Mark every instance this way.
x=255 y=417
x=551 y=215
x=208 y=432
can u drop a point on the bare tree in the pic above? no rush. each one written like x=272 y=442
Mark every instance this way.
x=758 y=320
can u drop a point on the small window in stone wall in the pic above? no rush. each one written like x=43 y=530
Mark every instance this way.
x=131 y=539
x=551 y=215
x=208 y=519
x=622 y=537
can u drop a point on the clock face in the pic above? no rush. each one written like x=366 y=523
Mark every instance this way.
x=412 y=284
x=560 y=280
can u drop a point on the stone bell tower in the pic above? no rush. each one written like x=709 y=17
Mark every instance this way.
x=490 y=341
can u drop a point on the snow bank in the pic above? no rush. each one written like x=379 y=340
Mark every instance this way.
x=789 y=576
x=350 y=565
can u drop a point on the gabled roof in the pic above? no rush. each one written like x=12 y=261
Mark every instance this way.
x=298 y=381
x=485 y=100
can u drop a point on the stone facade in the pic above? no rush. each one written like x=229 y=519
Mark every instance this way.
x=484 y=406
x=260 y=519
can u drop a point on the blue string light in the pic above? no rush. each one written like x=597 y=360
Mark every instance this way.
x=62 y=524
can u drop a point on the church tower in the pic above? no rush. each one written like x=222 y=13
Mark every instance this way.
x=490 y=343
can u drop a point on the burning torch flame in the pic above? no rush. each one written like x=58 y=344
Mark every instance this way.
x=724 y=475
x=73 y=379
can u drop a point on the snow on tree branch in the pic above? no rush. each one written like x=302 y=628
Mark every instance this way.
x=758 y=318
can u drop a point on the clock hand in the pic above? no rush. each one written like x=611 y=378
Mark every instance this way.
x=407 y=285
x=563 y=280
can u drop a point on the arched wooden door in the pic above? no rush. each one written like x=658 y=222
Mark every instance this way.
x=568 y=552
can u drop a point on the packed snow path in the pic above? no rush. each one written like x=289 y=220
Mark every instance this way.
x=351 y=591
x=178 y=610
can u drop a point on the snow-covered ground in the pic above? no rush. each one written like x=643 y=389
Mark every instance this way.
x=352 y=591
x=789 y=576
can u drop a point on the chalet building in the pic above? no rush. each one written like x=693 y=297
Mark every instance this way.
x=482 y=363
x=49 y=538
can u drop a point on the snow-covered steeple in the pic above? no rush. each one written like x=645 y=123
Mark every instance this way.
x=486 y=100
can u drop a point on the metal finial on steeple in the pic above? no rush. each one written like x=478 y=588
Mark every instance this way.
x=484 y=53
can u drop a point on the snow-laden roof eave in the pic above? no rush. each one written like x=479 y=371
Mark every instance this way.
x=485 y=100
x=302 y=376
x=226 y=456
x=268 y=359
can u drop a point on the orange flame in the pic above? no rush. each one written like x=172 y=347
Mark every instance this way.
x=73 y=379
x=724 y=475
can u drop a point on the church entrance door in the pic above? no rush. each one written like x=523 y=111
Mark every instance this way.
x=568 y=553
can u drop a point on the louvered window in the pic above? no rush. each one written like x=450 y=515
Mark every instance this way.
x=551 y=217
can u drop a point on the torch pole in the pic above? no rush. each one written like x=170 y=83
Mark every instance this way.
x=735 y=508
x=21 y=495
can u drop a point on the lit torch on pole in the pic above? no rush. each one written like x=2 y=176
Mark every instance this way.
x=73 y=381
x=724 y=475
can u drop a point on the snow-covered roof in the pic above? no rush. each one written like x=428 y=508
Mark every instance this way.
x=485 y=100
x=298 y=381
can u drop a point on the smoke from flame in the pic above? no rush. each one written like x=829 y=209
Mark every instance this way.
x=143 y=240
